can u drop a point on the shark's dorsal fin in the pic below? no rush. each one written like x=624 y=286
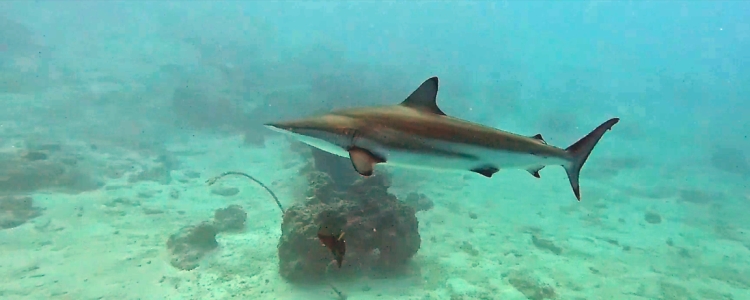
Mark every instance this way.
x=539 y=137
x=424 y=97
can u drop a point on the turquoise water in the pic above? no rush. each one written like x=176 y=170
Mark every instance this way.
x=117 y=116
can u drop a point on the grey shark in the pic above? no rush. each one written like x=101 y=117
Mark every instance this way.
x=417 y=134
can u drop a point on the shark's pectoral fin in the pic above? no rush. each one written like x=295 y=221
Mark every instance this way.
x=535 y=171
x=424 y=97
x=486 y=171
x=363 y=160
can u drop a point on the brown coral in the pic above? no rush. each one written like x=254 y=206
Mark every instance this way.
x=381 y=232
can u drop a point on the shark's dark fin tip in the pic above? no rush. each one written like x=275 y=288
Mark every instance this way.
x=364 y=161
x=424 y=98
x=581 y=150
x=486 y=171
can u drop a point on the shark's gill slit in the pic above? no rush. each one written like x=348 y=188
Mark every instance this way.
x=353 y=135
x=213 y=180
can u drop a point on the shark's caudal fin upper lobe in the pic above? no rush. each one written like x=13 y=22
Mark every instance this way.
x=580 y=152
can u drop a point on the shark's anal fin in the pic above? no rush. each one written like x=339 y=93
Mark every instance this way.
x=363 y=160
x=535 y=171
x=486 y=171
x=539 y=137
x=424 y=98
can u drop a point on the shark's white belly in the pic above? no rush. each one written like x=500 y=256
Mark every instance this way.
x=487 y=157
x=483 y=157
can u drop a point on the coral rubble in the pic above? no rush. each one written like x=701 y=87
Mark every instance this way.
x=44 y=167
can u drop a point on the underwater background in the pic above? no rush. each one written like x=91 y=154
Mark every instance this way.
x=117 y=115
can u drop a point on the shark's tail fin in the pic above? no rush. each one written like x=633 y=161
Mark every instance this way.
x=580 y=151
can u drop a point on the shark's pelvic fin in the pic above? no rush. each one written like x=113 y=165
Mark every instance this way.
x=424 y=98
x=535 y=171
x=363 y=160
x=486 y=171
x=581 y=150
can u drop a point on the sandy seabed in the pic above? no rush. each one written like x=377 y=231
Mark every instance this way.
x=509 y=237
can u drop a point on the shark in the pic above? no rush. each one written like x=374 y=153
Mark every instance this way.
x=416 y=133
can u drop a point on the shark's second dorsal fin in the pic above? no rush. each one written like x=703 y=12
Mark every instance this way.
x=424 y=97
x=539 y=137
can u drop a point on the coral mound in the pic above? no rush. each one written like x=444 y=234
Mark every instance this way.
x=381 y=232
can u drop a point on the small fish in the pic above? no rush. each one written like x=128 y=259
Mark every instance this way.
x=334 y=241
x=418 y=134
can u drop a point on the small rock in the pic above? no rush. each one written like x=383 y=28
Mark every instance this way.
x=70 y=161
x=459 y=286
x=419 y=202
x=15 y=211
x=145 y=194
x=121 y=202
x=232 y=217
x=652 y=217
x=34 y=155
x=159 y=174
x=192 y=174
x=469 y=248
x=530 y=286
x=545 y=244
x=49 y=147
x=225 y=191
x=152 y=211
x=188 y=246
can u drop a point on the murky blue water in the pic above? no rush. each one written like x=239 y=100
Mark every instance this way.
x=117 y=116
